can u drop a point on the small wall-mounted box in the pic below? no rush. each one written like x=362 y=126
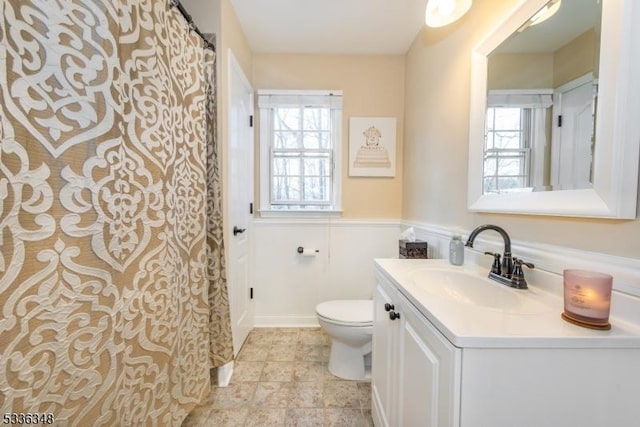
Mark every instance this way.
x=413 y=250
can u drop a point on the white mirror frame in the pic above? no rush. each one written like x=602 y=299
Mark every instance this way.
x=615 y=177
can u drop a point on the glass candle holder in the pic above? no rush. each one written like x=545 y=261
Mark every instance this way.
x=587 y=298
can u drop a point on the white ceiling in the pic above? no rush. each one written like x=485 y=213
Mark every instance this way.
x=574 y=18
x=330 y=26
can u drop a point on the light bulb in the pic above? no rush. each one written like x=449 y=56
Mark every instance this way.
x=445 y=7
x=443 y=12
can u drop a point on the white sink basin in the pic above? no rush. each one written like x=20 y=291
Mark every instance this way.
x=468 y=288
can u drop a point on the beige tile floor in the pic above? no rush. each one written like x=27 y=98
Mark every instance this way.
x=281 y=379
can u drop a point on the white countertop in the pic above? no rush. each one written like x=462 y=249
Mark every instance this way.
x=535 y=322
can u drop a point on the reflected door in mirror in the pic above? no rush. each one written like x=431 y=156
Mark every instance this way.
x=573 y=135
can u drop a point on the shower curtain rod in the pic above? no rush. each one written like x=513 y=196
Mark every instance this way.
x=192 y=25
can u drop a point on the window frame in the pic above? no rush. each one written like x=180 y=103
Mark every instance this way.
x=307 y=98
x=535 y=104
x=523 y=152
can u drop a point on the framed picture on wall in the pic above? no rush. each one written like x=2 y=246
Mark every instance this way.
x=372 y=146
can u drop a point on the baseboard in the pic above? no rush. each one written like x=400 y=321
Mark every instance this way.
x=376 y=412
x=286 y=322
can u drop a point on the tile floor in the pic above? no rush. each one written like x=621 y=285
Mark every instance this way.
x=281 y=379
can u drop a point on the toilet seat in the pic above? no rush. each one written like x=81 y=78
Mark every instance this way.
x=347 y=312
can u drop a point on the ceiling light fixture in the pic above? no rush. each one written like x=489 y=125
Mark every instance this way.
x=443 y=12
x=547 y=11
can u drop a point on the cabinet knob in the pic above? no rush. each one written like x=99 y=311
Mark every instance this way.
x=388 y=307
x=393 y=315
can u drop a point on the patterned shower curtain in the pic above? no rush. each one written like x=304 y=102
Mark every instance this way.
x=221 y=348
x=110 y=237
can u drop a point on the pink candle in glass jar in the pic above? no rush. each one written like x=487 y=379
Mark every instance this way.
x=587 y=296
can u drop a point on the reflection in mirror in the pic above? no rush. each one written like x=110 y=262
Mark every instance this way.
x=541 y=101
x=607 y=182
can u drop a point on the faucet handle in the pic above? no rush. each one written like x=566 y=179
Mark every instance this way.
x=495 y=267
x=517 y=278
x=519 y=263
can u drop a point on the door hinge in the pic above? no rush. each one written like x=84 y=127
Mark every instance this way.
x=251 y=120
x=250 y=293
x=250 y=208
x=560 y=121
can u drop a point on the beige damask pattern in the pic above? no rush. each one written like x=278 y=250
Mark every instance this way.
x=221 y=349
x=104 y=266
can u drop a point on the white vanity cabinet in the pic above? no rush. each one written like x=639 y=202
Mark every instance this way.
x=415 y=369
x=444 y=365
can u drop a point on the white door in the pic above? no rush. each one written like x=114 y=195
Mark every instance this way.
x=240 y=196
x=571 y=166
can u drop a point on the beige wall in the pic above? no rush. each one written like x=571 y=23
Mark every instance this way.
x=233 y=38
x=520 y=71
x=372 y=86
x=544 y=71
x=205 y=14
x=436 y=147
x=574 y=59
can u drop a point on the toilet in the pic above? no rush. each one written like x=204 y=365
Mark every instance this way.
x=350 y=325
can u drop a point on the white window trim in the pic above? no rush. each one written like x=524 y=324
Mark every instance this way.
x=265 y=125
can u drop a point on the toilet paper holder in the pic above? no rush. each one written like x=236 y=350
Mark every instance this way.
x=300 y=250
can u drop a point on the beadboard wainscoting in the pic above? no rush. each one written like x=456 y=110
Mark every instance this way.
x=547 y=258
x=288 y=286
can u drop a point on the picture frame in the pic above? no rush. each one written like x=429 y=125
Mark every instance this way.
x=372 y=146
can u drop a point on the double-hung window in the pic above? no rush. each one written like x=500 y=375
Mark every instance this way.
x=300 y=133
x=515 y=140
x=507 y=149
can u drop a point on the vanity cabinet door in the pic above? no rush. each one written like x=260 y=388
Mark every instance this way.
x=415 y=379
x=383 y=357
x=428 y=373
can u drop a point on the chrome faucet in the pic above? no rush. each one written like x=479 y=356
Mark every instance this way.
x=509 y=271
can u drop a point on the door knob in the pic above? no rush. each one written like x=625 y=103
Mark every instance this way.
x=393 y=315
x=237 y=230
x=388 y=307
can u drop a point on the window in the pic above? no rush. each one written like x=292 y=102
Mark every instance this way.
x=300 y=149
x=515 y=140
x=507 y=149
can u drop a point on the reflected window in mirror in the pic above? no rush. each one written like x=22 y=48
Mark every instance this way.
x=506 y=155
x=516 y=154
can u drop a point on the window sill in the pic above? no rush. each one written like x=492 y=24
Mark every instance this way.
x=267 y=213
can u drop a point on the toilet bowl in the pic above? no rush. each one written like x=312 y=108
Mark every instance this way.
x=350 y=325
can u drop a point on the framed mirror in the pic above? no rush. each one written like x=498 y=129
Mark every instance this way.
x=555 y=111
